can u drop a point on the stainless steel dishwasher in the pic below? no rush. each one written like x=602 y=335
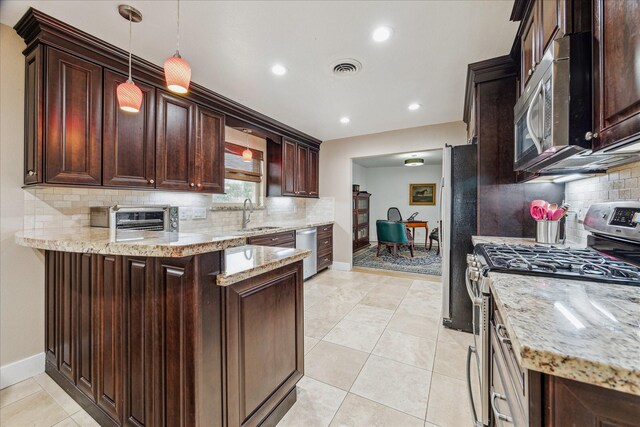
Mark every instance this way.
x=307 y=239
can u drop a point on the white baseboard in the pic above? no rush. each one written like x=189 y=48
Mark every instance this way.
x=21 y=370
x=341 y=266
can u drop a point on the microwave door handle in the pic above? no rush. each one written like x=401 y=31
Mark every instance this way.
x=534 y=137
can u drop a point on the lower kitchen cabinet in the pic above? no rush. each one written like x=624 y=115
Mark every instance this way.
x=283 y=239
x=325 y=246
x=522 y=397
x=145 y=341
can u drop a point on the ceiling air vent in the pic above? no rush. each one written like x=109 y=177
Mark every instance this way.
x=346 y=67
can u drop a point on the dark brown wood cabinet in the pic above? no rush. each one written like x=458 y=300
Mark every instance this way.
x=175 y=144
x=209 y=153
x=141 y=341
x=292 y=169
x=129 y=139
x=283 y=239
x=528 y=51
x=313 y=178
x=73 y=120
x=34 y=117
x=616 y=48
x=361 y=205
x=264 y=318
x=325 y=246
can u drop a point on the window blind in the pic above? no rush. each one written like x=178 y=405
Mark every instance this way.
x=236 y=168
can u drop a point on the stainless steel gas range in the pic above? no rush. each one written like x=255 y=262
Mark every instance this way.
x=612 y=257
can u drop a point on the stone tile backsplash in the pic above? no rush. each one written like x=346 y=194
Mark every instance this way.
x=619 y=183
x=69 y=207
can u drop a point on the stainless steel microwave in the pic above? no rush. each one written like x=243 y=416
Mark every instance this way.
x=553 y=114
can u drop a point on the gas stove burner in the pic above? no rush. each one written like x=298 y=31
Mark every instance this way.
x=584 y=264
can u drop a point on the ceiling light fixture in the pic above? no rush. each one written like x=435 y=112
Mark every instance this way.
x=345 y=120
x=415 y=106
x=382 y=34
x=177 y=71
x=247 y=154
x=414 y=162
x=129 y=95
x=279 y=70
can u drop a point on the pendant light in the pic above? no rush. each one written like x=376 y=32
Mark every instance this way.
x=129 y=95
x=177 y=71
x=247 y=154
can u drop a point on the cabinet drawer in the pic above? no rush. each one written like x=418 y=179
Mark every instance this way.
x=325 y=245
x=284 y=239
x=504 y=398
x=325 y=261
x=325 y=231
x=515 y=371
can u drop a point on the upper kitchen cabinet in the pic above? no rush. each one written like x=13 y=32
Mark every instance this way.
x=616 y=67
x=292 y=169
x=34 y=117
x=129 y=142
x=543 y=21
x=72 y=120
x=175 y=148
x=209 y=161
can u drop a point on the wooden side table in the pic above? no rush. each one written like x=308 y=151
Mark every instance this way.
x=418 y=224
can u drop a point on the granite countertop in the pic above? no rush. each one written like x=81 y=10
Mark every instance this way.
x=144 y=243
x=580 y=330
x=247 y=261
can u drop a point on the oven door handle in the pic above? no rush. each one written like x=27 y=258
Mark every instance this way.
x=475 y=299
x=535 y=138
x=497 y=414
x=476 y=423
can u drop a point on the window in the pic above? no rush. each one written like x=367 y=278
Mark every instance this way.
x=243 y=180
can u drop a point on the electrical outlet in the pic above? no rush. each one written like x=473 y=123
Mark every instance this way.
x=198 y=213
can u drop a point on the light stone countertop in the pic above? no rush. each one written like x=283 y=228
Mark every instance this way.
x=580 y=330
x=248 y=261
x=144 y=243
x=518 y=241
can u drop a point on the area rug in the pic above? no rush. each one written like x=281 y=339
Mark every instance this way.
x=423 y=262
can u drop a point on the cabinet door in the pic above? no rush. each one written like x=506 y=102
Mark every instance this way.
x=175 y=148
x=33 y=108
x=552 y=21
x=314 y=172
x=302 y=158
x=527 y=51
x=129 y=138
x=73 y=120
x=616 y=55
x=288 y=168
x=209 y=151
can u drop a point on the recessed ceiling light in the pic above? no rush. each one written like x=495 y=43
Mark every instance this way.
x=414 y=106
x=414 y=162
x=381 y=34
x=279 y=70
x=345 y=120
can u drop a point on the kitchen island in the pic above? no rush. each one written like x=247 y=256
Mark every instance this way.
x=569 y=348
x=172 y=329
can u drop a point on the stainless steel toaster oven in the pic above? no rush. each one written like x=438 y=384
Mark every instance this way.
x=145 y=218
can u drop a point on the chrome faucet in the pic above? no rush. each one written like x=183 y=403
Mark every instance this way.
x=246 y=215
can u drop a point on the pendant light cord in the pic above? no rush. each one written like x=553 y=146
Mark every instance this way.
x=178 y=32
x=130 y=79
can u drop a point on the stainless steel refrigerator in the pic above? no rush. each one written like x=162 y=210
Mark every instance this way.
x=458 y=206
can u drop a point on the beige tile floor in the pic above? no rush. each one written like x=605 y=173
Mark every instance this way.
x=376 y=355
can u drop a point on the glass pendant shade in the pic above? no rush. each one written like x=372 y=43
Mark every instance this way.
x=247 y=155
x=177 y=73
x=129 y=96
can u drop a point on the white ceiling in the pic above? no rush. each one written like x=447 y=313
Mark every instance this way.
x=231 y=46
x=430 y=157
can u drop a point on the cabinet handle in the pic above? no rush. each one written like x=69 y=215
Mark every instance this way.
x=198 y=185
x=530 y=71
x=273 y=239
x=325 y=242
x=504 y=339
x=192 y=184
x=591 y=135
x=151 y=181
x=31 y=173
x=497 y=414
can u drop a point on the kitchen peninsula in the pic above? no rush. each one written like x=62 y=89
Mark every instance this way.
x=172 y=328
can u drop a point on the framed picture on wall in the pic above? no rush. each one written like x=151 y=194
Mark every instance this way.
x=422 y=194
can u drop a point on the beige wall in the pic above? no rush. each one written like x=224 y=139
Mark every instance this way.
x=21 y=269
x=335 y=167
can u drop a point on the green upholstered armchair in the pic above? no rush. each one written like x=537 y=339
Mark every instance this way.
x=392 y=233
